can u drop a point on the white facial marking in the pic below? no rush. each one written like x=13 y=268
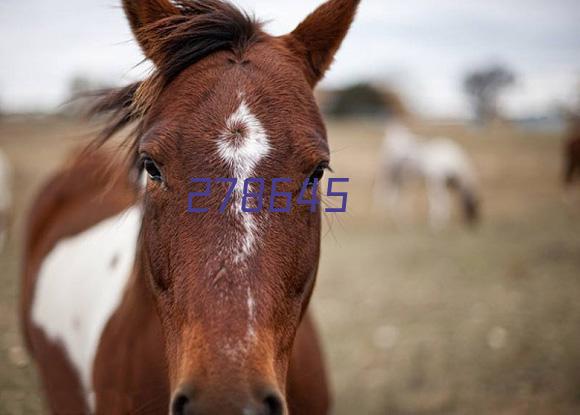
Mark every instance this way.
x=236 y=348
x=251 y=333
x=80 y=285
x=242 y=154
x=242 y=146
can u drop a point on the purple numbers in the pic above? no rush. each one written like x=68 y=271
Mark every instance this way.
x=313 y=201
x=277 y=195
x=229 y=193
x=342 y=195
x=250 y=195
x=192 y=195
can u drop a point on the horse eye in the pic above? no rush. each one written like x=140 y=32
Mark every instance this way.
x=152 y=170
x=318 y=173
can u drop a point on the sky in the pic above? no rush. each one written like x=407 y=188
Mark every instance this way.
x=422 y=48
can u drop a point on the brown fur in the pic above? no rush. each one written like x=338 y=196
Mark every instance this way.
x=470 y=203
x=572 y=153
x=186 y=301
x=65 y=207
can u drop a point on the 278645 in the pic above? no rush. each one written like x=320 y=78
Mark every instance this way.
x=254 y=199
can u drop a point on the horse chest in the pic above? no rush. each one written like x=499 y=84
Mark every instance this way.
x=81 y=283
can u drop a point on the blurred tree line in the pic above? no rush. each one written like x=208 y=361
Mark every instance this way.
x=361 y=100
x=482 y=87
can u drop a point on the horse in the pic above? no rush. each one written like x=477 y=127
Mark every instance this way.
x=5 y=197
x=130 y=302
x=440 y=162
x=572 y=153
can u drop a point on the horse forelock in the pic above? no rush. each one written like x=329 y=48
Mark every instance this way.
x=177 y=42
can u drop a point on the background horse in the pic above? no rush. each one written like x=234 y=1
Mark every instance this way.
x=5 y=197
x=130 y=303
x=440 y=162
x=572 y=152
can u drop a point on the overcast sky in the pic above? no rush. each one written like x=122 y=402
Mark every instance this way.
x=421 y=47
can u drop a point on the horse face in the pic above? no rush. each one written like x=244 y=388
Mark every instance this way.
x=231 y=286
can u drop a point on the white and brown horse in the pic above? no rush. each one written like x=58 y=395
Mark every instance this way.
x=440 y=162
x=5 y=197
x=572 y=152
x=130 y=304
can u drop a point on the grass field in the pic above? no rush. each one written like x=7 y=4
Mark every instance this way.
x=483 y=321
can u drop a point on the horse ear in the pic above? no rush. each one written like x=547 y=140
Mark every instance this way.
x=142 y=14
x=317 y=39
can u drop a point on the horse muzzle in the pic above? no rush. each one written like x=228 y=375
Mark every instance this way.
x=262 y=401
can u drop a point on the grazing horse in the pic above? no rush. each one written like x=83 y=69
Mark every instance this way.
x=440 y=162
x=5 y=197
x=572 y=153
x=132 y=304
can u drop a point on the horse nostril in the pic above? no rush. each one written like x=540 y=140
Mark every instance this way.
x=181 y=405
x=273 y=404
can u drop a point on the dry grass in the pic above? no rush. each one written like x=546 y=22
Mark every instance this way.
x=414 y=322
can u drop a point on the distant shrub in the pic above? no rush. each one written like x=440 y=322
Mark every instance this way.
x=357 y=100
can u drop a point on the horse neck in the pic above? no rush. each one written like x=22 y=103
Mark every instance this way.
x=138 y=293
x=137 y=310
x=137 y=303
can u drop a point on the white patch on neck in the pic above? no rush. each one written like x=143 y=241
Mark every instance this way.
x=80 y=285
x=242 y=154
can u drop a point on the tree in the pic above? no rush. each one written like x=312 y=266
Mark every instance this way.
x=365 y=99
x=356 y=100
x=483 y=88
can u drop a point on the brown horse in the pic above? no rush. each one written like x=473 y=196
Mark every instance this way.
x=130 y=303
x=5 y=197
x=572 y=152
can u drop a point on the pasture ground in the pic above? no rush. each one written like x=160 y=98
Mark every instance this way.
x=483 y=321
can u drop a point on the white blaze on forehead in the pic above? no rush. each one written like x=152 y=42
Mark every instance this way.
x=243 y=155
x=80 y=285
x=242 y=146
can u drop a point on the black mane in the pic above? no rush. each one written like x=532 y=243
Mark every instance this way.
x=204 y=27
x=201 y=28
